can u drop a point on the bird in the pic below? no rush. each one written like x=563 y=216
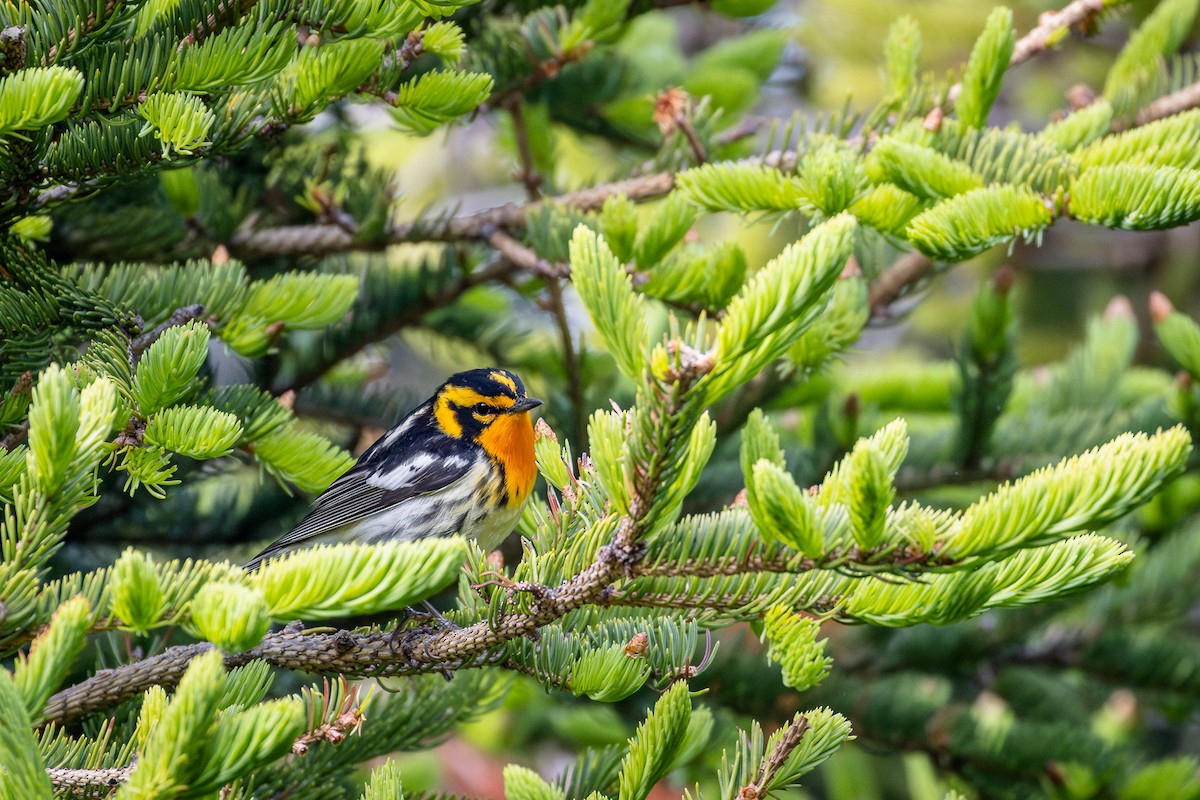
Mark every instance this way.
x=462 y=462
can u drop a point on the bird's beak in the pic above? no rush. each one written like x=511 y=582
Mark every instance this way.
x=524 y=404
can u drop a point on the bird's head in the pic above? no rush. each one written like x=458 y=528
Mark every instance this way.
x=489 y=406
x=471 y=403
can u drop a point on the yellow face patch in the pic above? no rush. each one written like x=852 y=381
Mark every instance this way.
x=447 y=418
x=463 y=397
x=453 y=398
x=502 y=379
x=509 y=440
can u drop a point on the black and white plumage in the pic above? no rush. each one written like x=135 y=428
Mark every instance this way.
x=431 y=475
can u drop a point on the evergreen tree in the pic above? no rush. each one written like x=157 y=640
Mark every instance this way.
x=201 y=257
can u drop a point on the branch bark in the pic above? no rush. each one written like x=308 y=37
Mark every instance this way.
x=1050 y=23
x=892 y=282
x=322 y=239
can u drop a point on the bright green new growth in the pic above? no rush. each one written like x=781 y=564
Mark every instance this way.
x=820 y=730
x=522 y=783
x=739 y=187
x=1158 y=36
x=1082 y=492
x=782 y=510
x=985 y=69
x=777 y=305
x=1137 y=198
x=137 y=597
x=920 y=171
x=1081 y=127
x=792 y=643
x=336 y=580
x=306 y=460
x=52 y=654
x=166 y=373
x=616 y=310
x=34 y=98
x=1165 y=143
x=194 y=431
x=231 y=616
x=608 y=675
x=964 y=226
x=197 y=741
x=23 y=774
x=180 y=121
x=654 y=746
x=431 y=100
x=385 y=783
x=856 y=497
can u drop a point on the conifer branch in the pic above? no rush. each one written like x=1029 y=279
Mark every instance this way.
x=421 y=650
x=88 y=782
x=774 y=760
x=15 y=437
x=178 y=317
x=1168 y=105
x=323 y=239
x=380 y=654
x=1051 y=24
x=1049 y=30
x=524 y=257
x=891 y=283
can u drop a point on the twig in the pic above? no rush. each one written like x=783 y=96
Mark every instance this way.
x=1168 y=105
x=324 y=239
x=571 y=364
x=774 y=760
x=1050 y=24
x=86 y=782
x=891 y=283
x=524 y=257
x=179 y=316
x=15 y=436
x=528 y=174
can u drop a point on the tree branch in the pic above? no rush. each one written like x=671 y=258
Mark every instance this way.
x=179 y=316
x=1050 y=24
x=1168 y=105
x=571 y=364
x=322 y=239
x=891 y=283
x=525 y=257
x=88 y=782
x=420 y=650
x=1048 y=31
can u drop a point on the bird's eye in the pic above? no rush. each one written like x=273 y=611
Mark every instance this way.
x=482 y=409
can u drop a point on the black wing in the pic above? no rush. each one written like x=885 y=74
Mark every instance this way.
x=371 y=486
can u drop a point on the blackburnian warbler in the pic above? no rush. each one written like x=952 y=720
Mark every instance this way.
x=461 y=462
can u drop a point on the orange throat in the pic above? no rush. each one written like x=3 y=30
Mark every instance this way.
x=509 y=440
